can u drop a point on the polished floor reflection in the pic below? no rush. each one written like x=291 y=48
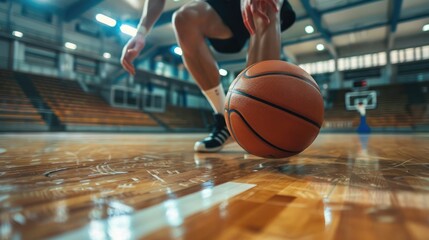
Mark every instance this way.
x=134 y=186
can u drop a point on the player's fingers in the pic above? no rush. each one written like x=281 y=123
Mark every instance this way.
x=128 y=62
x=246 y=20
x=127 y=66
x=250 y=20
x=132 y=54
x=244 y=16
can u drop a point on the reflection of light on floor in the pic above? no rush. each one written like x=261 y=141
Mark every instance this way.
x=96 y=230
x=151 y=219
x=206 y=193
x=172 y=213
x=2 y=150
x=119 y=227
x=327 y=213
x=61 y=213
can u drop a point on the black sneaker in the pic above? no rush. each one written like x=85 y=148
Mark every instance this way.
x=217 y=139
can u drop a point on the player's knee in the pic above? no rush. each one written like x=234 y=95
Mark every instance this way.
x=184 y=17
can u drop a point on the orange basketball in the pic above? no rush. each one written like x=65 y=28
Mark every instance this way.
x=274 y=109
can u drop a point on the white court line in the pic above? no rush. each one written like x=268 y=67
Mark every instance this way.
x=170 y=213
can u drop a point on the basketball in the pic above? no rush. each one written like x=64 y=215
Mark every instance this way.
x=274 y=109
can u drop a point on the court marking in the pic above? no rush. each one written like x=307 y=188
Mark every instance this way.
x=255 y=132
x=170 y=213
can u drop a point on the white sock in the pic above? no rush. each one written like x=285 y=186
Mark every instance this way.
x=216 y=98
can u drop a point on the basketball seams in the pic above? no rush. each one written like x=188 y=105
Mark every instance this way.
x=256 y=133
x=229 y=101
x=312 y=122
x=306 y=80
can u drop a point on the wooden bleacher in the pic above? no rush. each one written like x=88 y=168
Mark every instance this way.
x=394 y=109
x=75 y=107
x=183 y=118
x=16 y=110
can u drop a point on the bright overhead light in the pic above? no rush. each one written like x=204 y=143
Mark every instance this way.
x=223 y=72
x=309 y=29
x=17 y=34
x=425 y=28
x=320 y=47
x=178 y=51
x=107 y=55
x=70 y=45
x=127 y=29
x=105 y=20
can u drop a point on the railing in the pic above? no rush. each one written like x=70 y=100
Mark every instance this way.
x=338 y=124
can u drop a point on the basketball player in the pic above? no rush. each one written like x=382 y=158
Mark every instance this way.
x=227 y=24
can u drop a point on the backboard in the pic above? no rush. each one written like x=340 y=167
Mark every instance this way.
x=367 y=98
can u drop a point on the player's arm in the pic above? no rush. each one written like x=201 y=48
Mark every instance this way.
x=252 y=8
x=151 y=12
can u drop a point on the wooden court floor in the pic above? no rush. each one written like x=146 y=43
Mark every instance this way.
x=147 y=186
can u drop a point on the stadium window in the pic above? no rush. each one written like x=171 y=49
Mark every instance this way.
x=326 y=66
x=305 y=67
x=401 y=55
x=394 y=56
x=409 y=54
x=308 y=68
x=353 y=62
x=425 y=52
x=331 y=65
x=418 y=52
x=348 y=63
x=319 y=67
x=341 y=64
x=374 y=59
x=360 y=62
x=312 y=68
x=367 y=60
x=381 y=58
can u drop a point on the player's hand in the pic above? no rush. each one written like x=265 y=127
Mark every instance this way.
x=251 y=8
x=132 y=50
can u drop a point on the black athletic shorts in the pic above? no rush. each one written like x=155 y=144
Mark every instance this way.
x=230 y=12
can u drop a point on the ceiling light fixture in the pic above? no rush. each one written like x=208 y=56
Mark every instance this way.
x=105 y=20
x=309 y=29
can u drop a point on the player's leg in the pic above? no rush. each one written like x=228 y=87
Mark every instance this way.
x=193 y=23
x=265 y=44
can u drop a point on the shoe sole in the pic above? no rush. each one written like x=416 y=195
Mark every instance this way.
x=217 y=149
